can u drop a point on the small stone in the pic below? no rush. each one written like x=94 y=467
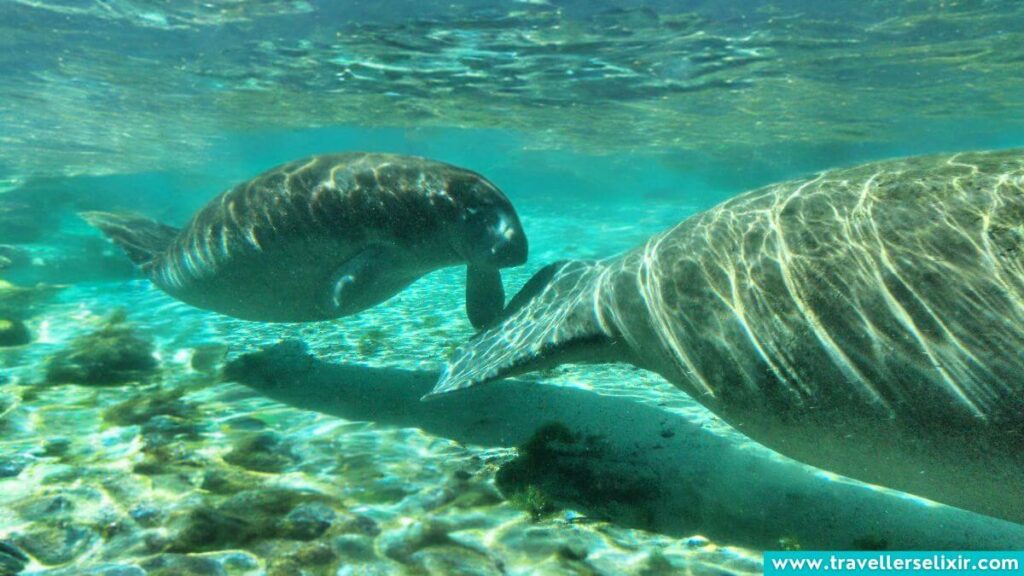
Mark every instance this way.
x=354 y=547
x=162 y=429
x=402 y=543
x=58 y=543
x=146 y=515
x=13 y=333
x=229 y=480
x=271 y=501
x=315 y=554
x=204 y=529
x=154 y=542
x=46 y=507
x=307 y=521
x=361 y=525
x=284 y=567
x=261 y=452
x=146 y=405
x=456 y=561
x=240 y=562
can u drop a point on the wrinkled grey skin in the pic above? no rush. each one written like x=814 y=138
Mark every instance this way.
x=329 y=236
x=868 y=321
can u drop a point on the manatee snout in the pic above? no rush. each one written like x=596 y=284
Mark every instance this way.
x=508 y=246
x=492 y=237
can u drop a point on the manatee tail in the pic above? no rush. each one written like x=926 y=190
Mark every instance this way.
x=141 y=238
x=555 y=318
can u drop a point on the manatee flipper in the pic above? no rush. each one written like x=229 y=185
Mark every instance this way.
x=141 y=238
x=551 y=321
x=485 y=296
x=361 y=279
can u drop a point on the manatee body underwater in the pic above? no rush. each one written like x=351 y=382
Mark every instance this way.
x=329 y=236
x=868 y=321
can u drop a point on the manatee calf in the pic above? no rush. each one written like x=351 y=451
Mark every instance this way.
x=868 y=321
x=329 y=236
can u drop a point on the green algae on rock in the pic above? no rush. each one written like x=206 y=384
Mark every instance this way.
x=261 y=452
x=249 y=517
x=114 y=354
x=142 y=408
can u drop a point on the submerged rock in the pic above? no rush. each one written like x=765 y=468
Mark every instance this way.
x=248 y=517
x=57 y=542
x=229 y=480
x=147 y=515
x=147 y=405
x=162 y=430
x=307 y=521
x=14 y=333
x=315 y=554
x=455 y=561
x=402 y=543
x=261 y=452
x=114 y=354
x=206 y=528
x=359 y=524
x=182 y=565
x=40 y=508
x=354 y=548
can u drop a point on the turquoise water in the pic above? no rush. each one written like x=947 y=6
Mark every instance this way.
x=603 y=122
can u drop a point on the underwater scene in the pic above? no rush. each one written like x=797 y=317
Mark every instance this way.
x=589 y=287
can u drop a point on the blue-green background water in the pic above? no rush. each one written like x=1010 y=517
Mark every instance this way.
x=604 y=122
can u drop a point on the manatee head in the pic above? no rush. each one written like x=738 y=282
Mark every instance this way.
x=487 y=232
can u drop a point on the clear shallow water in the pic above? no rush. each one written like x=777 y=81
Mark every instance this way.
x=603 y=123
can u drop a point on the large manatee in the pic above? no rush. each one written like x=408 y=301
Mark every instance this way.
x=868 y=321
x=329 y=236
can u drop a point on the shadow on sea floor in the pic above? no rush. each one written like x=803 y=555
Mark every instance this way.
x=702 y=483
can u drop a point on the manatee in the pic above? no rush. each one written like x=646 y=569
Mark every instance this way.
x=329 y=236
x=868 y=321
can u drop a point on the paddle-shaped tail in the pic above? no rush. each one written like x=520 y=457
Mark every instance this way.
x=141 y=238
x=555 y=318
